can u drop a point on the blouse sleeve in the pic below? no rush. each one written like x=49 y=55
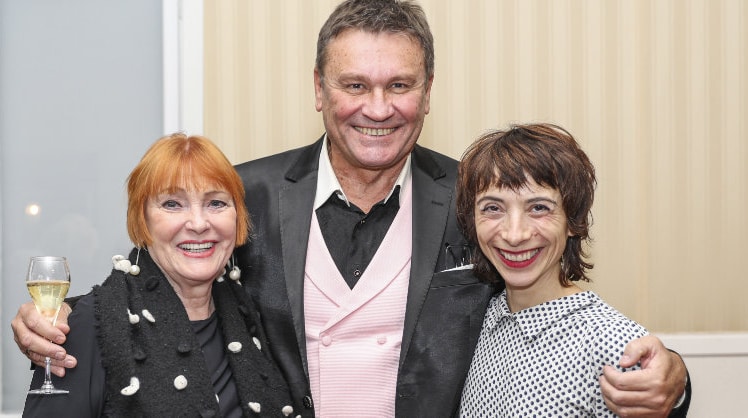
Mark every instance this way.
x=85 y=382
x=610 y=341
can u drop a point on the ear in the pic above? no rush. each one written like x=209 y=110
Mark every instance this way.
x=427 y=95
x=317 y=90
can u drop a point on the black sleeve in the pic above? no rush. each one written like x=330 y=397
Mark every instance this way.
x=682 y=410
x=73 y=300
x=85 y=382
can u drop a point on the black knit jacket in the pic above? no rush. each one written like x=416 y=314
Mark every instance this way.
x=144 y=333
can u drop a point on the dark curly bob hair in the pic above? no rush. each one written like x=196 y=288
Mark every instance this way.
x=552 y=158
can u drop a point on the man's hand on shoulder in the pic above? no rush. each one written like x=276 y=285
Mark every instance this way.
x=652 y=391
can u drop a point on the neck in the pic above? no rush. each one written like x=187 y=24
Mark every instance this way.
x=523 y=298
x=365 y=188
x=365 y=194
x=197 y=300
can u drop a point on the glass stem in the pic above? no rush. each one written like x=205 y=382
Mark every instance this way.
x=47 y=385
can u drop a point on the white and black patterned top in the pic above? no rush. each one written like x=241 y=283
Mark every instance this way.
x=545 y=361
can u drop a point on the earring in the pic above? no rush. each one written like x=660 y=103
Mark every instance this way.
x=123 y=264
x=235 y=273
x=135 y=269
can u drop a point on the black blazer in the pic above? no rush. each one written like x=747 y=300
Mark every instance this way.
x=444 y=310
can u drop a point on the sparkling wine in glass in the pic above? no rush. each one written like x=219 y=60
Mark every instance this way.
x=48 y=281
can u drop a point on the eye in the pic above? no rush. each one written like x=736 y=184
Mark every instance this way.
x=490 y=208
x=355 y=88
x=171 y=204
x=217 y=204
x=400 y=87
x=539 y=208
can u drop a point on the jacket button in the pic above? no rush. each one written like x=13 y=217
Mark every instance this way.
x=139 y=354
x=307 y=401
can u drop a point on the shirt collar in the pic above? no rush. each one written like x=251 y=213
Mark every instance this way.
x=327 y=181
x=533 y=321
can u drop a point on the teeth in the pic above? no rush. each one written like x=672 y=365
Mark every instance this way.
x=375 y=132
x=519 y=257
x=197 y=247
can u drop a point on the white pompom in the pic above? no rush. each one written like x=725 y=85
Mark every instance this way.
x=235 y=347
x=134 y=319
x=287 y=410
x=255 y=407
x=134 y=386
x=147 y=315
x=180 y=382
x=121 y=263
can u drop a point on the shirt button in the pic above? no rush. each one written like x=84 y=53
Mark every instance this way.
x=357 y=272
x=381 y=339
x=326 y=340
x=307 y=401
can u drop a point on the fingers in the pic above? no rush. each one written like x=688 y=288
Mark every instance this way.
x=62 y=317
x=631 y=381
x=641 y=350
x=32 y=332
x=29 y=320
x=629 y=394
x=57 y=367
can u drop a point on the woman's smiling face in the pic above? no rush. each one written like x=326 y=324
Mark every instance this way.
x=522 y=233
x=194 y=233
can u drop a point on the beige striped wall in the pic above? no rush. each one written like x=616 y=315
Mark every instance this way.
x=656 y=91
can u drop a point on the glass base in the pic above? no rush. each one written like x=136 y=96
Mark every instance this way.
x=48 y=390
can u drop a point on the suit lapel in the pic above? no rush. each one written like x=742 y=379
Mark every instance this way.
x=431 y=203
x=298 y=192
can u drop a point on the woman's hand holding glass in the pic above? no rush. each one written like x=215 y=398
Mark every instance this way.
x=48 y=281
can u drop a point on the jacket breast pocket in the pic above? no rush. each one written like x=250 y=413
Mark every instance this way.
x=446 y=333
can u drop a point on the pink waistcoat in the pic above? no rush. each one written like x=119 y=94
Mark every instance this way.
x=353 y=336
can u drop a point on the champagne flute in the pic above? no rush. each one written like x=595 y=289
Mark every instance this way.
x=48 y=281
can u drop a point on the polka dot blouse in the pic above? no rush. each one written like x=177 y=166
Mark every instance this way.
x=545 y=361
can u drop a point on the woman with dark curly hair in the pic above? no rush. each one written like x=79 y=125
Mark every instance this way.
x=524 y=199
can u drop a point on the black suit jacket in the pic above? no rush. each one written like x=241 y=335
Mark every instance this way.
x=444 y=309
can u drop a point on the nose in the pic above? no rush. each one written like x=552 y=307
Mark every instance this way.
x=515 y=230
x=197 y=221
x=377 y=105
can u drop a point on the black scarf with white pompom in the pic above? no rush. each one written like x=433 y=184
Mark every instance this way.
x=153 y=360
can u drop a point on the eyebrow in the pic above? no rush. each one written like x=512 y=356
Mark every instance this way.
x=537 y=199
x=541 y=199
x=488 y=197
